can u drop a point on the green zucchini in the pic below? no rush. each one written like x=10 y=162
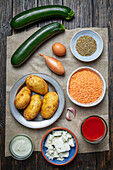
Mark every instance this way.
x=34 y=41
x=40 y=13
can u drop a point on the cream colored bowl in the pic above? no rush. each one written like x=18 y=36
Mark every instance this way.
x=103 y=88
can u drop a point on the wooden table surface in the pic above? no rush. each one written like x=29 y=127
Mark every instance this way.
x=88 y=13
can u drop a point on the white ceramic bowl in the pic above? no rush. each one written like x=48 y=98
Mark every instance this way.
x=103 y=89
x=95 y=36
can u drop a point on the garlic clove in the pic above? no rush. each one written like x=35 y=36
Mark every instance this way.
x=68 y=116
x=70 y=110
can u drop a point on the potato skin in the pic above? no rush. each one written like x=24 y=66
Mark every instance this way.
x=37 y=84
x=22 y=99
x=50 y=104
x=33 y=108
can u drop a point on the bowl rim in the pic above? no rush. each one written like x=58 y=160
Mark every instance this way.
x=103 y=137
x=19 y=157
x=93 y=53
x=61 y=128
x=99 y=99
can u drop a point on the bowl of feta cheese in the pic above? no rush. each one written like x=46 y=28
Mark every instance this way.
x=59 y=146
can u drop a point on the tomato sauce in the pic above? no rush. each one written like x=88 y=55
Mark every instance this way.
x=93 y=128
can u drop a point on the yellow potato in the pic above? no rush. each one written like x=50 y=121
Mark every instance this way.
x=22 y=98
x=50 y=104
x=33 y=108
x=37 y=84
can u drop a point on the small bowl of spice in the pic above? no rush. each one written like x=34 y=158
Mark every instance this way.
x=86 y=45
x=21 y=147
x=94 y=129
x=86 y=87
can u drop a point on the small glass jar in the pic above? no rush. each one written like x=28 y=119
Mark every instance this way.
x=21 y=147
x=94 y=129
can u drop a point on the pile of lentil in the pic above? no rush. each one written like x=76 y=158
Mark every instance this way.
x=86 y=45
x=85 y=86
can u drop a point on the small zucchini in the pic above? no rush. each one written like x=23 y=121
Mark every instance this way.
x=34 y=41
x=40 y=13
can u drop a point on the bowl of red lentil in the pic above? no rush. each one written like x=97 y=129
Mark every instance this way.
x=86 y=87
x=86 y=45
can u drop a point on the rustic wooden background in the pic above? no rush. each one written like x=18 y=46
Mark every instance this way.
x=88 y=13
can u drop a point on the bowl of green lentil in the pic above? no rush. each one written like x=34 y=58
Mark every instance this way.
x=86 y=45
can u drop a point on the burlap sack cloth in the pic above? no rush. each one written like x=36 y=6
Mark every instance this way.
x=37 y=64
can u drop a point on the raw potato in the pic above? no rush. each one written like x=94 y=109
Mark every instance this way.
x=37 y=84
x=33 y=108
x=50 y=104
x=23 y=98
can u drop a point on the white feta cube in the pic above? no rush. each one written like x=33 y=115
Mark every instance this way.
x=57 y=133
x=57 y=142
x=64 y=138
x=64 y=154
x=69 y=135
x=49 y=140
x=71 y=142
x=60 y=159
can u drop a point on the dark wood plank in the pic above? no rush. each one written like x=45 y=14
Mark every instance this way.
x=36 y=160
x=97 y=13
x=102 y=17
x=4 y=31
x=83 y=18
x=83 y=13
x=100 y=13
x=20 y=6
x=42 y=163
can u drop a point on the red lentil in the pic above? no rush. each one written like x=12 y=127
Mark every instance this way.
x=85 y=86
